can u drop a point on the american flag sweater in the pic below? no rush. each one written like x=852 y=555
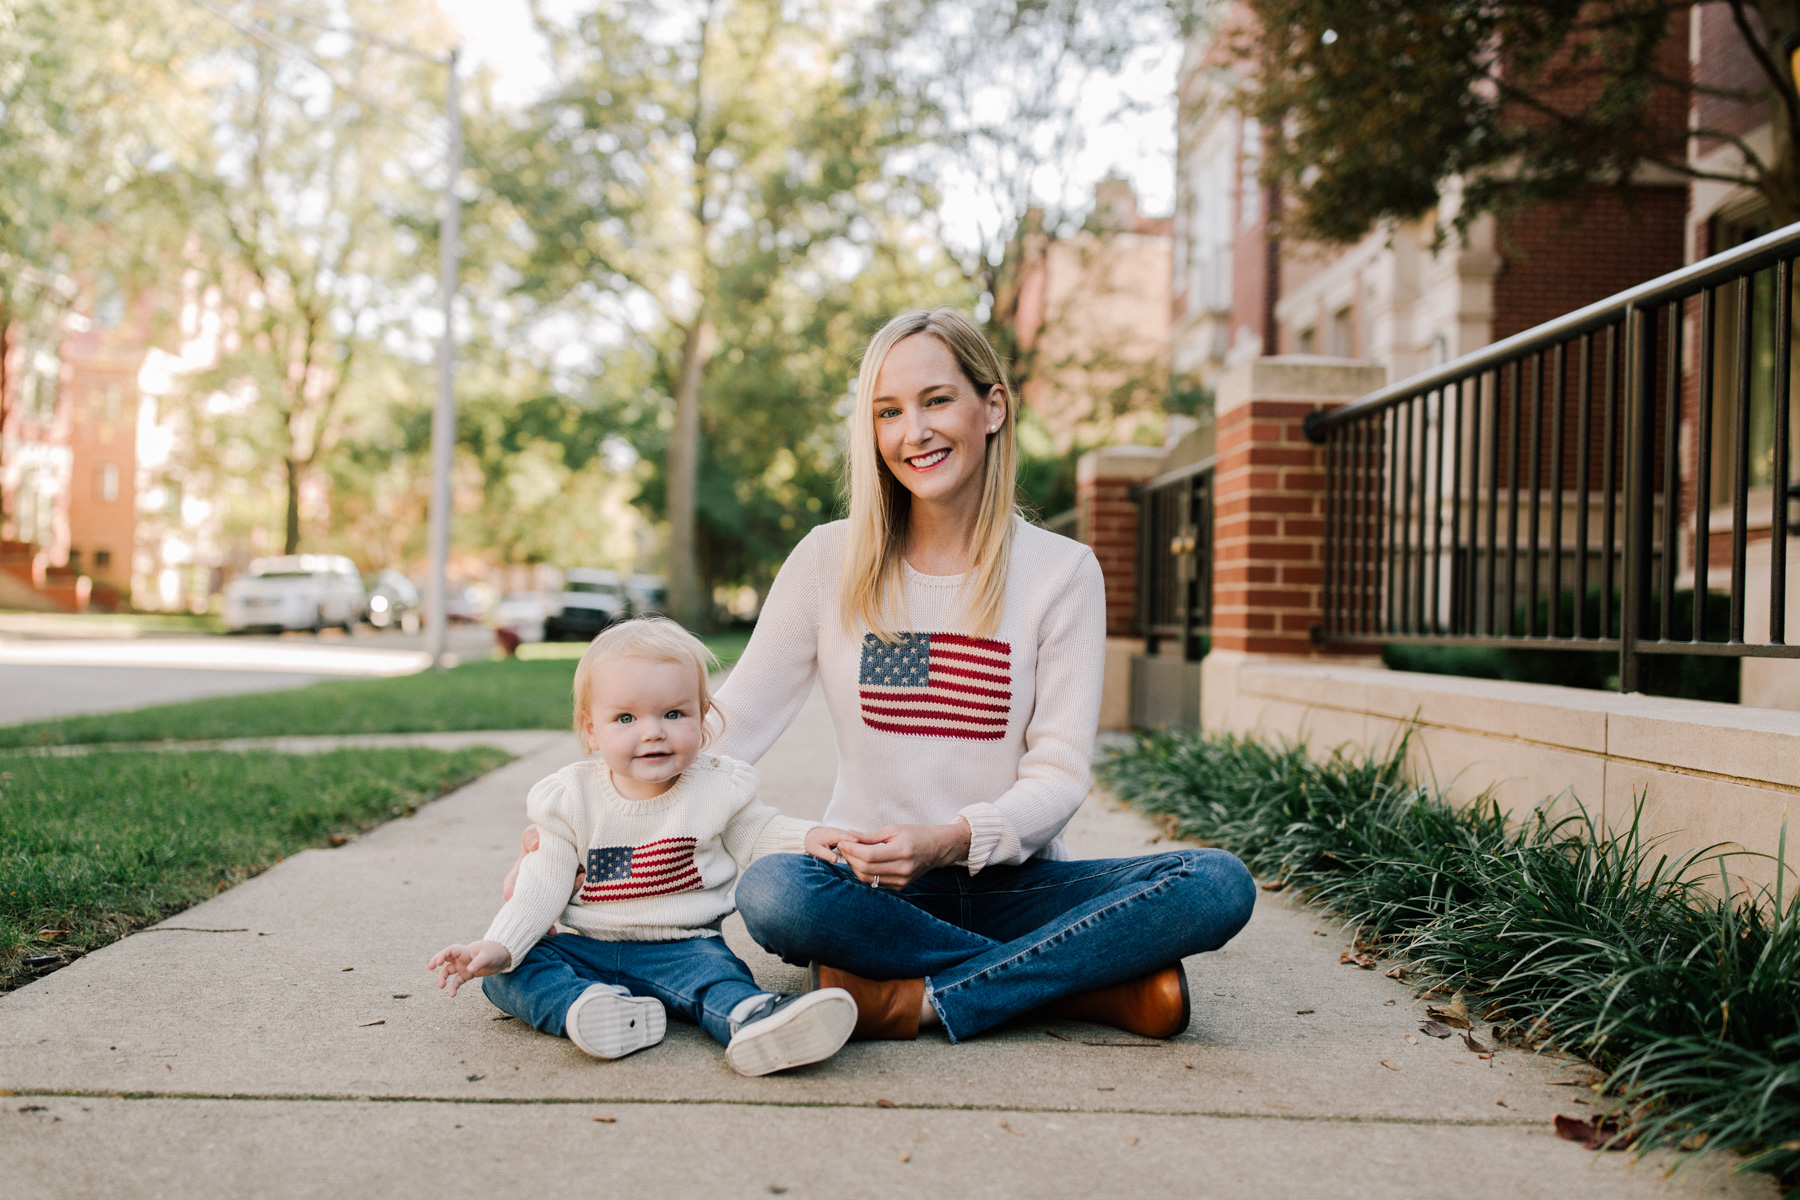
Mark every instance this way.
x=652 y=870
x=997 y=728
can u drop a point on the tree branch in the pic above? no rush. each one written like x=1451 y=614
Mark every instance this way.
x=1790 y=101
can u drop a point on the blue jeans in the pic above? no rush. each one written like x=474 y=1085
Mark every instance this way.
x=998 y=944
x=698 y=980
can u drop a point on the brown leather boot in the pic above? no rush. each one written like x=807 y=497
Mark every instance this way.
x=1154 y=1005
x=886 y=1009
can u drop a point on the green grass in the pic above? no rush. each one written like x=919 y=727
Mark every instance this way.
x=531 y=692
x=1554 y=931
x=492 y=694
x=99 y=845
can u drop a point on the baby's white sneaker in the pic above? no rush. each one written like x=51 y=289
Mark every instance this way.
x=778 y=1032
x=606 y=1021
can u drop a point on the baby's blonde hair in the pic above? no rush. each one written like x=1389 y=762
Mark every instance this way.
x=657 y=639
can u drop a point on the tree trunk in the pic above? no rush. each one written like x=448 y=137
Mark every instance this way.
x=292 y=543
x=5 y=345
x=681 y=469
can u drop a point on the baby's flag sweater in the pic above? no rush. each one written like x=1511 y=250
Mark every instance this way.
x=996 y=728
x=653 y=870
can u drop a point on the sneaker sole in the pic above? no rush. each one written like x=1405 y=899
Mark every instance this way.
x=807 y=1031
x=611 y=1026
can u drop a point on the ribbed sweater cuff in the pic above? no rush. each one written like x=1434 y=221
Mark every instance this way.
x=990 y=835
x=782 y=835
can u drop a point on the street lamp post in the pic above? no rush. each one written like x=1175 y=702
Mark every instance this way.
x=443 y=417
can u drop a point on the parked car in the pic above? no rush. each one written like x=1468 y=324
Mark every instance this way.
x=592 y=599
x=470 y=604
x=647 y=594
x=393 y=600
x=524 y=613
x=295 y=591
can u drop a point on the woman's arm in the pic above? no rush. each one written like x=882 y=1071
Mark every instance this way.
x=1056 y=770
x=775 y=675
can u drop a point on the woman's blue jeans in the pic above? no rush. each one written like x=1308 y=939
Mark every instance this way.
x=698 y=980
x=1000 y=943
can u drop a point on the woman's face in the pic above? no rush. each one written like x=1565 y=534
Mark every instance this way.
x=931 y=424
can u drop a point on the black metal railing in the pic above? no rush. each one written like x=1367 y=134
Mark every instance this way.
x=1541 y=492
x=1174 y=578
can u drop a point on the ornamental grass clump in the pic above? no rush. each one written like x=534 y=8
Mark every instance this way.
x=1668 y=972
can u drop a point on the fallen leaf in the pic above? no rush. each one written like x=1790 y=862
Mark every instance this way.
x=337 y=839
x=50 y=935
x=1696 y=1141
x=1390 y=1066
x=1502 y=1104
x=33 y=1108
x=1471 y=1043
x=474 y=1078
x=366 y=1024
x=1010 y=1129
x=607 y=1120
x=1106 y=1089
x=1063 y=1037
x=349 y=969
x=775 y=1189
x=1302 y=1012
x=1274 y=885
x=1600 y=1133
x=1454 y=1014
x=1366 y=962
x=402 y=995
x=1387 y=1003
x=505 y=1018
x=1411 y=1040
x=884 y=1104
x=1398 y=972
x=10 y=1092
x=1282 y=1107
x=1433 y=1029
x=907 y=1157
x=1131 y=1141
x=1189 y=1066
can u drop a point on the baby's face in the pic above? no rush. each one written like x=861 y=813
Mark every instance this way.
x=644 y=720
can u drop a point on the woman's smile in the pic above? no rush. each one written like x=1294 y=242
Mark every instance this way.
x=929 y=459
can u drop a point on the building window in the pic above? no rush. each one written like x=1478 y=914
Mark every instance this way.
x=1304 y=342
x=106 y=482
x=1339 y=333
x=38 y=387
x=102 y=559
x=109 y=402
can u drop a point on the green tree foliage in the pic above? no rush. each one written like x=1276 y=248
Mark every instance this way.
x=703 y=192
x=311 y=195
x=1368 y=112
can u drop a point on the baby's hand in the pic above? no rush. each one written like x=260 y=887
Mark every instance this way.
x=457 y=965
x=822 y=842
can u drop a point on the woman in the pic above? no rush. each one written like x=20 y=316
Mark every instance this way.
x=960 y=650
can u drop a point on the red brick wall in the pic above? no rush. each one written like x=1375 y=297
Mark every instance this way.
x=1108 y=524
x=1268 y=530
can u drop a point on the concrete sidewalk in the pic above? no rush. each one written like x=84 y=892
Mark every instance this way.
x=310 y=1055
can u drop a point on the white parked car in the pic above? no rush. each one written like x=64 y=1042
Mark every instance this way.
x=592 y=599
x=522 y=612
x=295 y=591
x=647 y=594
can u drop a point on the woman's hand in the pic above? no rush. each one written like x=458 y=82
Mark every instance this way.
x=894 y=855
x=822 y=842
x=457 y=965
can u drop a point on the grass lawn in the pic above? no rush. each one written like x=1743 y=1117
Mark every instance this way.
x=96 y=846
x=531 y=692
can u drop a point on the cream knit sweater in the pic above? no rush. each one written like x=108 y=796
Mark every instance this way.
x=656 y=870
x=999 y=730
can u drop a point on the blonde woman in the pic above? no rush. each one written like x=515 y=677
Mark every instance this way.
x=960 y=650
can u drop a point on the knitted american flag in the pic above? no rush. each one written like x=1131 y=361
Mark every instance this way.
x=660 y=868
x=937 y=685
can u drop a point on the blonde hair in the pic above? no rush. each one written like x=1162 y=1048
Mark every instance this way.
x=657 y=639
x=880 y=504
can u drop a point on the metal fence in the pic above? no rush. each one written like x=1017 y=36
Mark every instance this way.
x=1540 y=492
x=1174 y=578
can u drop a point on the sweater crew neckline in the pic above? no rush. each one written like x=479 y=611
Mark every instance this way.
x=916 y=576
x=624 y=803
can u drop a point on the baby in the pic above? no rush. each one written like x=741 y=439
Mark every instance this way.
x=654 y=834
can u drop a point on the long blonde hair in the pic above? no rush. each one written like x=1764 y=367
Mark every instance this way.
x=880 y=505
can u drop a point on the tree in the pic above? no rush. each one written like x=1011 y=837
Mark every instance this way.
x=701 y=186
x=312 y=194
x=89 y=98
x=1368 y=113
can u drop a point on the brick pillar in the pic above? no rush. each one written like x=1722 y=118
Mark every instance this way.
x=1106 y=519
x=1269 y=500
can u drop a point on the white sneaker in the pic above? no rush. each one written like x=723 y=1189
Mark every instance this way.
x=606 y=1021
x=791 y=1031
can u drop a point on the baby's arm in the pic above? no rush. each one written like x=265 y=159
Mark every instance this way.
x=460 y=964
